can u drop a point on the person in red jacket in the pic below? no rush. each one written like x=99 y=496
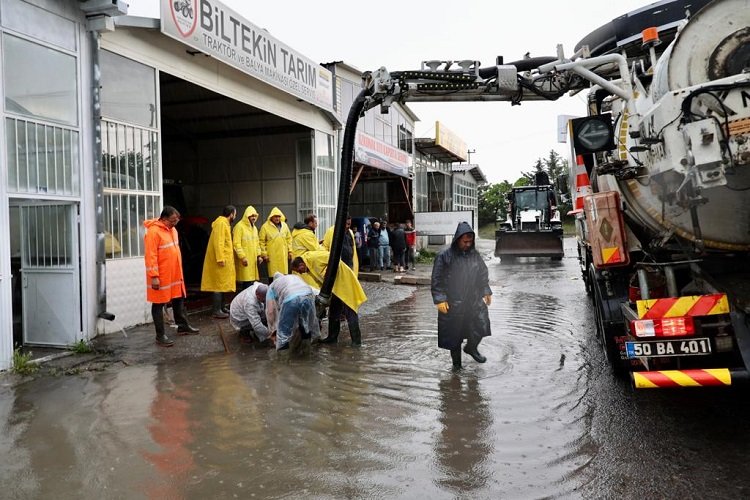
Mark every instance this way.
x=164 y=279
x=411 y=245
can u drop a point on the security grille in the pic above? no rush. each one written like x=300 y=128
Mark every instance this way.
x=131 y=186
x=42 y=159
x=48 y=242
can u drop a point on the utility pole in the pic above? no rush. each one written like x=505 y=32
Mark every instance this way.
x=468 y=155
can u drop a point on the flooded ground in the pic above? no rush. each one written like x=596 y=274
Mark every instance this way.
x=542 y=418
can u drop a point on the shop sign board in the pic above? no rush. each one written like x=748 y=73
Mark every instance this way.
x=216 y=30
x=377 y=154
x=441 y=223
x=450 y=141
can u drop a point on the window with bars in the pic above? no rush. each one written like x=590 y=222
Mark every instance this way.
x=325 y=174
x=131 y=186
x=42 y=158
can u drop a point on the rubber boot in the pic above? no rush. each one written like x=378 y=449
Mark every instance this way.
x=356 y=334
x=456 y=357
x=217 y=298
x=157 y=311
x=334 y=328
x=471 y=350
x=180 y=317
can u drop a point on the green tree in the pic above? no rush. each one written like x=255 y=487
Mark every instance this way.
x=493 y=202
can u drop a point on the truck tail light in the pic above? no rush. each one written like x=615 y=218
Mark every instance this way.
x=664 y=327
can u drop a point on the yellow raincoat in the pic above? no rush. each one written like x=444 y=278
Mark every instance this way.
x=246 y=246
x=275 y=243
x=304 y=240
x=328 y=242
x=218 y=278
x=346 y=286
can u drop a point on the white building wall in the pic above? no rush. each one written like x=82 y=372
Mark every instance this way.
x=126 y=294
x=60 y=24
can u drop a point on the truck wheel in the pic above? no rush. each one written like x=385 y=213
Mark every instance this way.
x=604 y=333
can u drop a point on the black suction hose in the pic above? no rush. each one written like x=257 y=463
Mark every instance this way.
x=342 y=206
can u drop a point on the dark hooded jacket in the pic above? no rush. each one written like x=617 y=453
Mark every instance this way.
x=461 y=279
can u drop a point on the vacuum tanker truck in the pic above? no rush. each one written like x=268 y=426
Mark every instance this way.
x=661 y=177
x=663 y=194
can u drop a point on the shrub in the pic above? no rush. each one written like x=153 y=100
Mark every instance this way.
x=22 y=363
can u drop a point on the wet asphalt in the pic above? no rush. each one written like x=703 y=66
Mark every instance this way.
x=543 y=418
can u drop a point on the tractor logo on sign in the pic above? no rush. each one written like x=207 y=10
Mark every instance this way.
x=184 y=16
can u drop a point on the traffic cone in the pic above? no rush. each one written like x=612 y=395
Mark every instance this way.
x=583 y=185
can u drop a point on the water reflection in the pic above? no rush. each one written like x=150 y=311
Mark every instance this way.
x=465 y=443
x=171 y=431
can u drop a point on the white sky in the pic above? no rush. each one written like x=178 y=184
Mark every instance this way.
x=400 y=35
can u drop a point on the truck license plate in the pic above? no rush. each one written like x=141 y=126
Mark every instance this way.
x=651 y=349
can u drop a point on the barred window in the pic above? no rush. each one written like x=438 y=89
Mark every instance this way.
x=42 y=159
x=131 y=186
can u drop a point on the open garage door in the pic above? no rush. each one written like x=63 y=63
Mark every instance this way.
x=218 y=151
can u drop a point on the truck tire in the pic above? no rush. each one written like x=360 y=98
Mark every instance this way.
x=604 y=332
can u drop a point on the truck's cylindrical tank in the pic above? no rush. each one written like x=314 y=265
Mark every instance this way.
x=714 y=44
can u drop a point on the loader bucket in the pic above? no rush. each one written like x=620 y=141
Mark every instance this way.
x=528 y=244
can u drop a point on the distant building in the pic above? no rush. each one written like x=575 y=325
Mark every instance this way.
x=443 y=183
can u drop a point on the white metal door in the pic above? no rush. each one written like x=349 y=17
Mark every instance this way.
x=49 y=270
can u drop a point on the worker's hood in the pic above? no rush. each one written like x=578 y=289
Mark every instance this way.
x=276 y=211
x=462 y=229
x=154 y=222
x=250 y=210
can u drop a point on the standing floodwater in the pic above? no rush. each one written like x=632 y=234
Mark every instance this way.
x=542 y=418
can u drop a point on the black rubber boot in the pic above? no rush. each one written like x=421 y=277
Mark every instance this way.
x=217 y=299
x=356 y=334
x=180 y=317
x=471 y=350
x=334 y=328
x=157 y=311
x=456 y=357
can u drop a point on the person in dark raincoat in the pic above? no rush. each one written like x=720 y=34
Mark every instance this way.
x=461 y=292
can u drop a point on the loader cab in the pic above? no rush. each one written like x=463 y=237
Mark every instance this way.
x=531 y=206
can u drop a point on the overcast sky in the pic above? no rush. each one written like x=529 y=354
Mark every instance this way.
x=400 y=35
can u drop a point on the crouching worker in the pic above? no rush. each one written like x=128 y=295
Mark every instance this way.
x=290 y=310
x=347 y=294
x=247 y=313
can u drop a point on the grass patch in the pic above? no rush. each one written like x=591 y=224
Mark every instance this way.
x=426 y=256
x=22 y=364
x=81 y=347
x=487 y=232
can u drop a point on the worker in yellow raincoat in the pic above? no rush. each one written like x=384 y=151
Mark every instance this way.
x=303 y=236
x=348 y=249
x=275 y=243
x=246 y=249
x=346 y=298
x=218 y=265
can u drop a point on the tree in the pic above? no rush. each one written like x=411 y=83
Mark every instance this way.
x=556 y=168
x=493 y=202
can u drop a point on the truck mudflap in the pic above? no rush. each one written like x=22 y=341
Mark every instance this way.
x=670 y=379
x=528 y=244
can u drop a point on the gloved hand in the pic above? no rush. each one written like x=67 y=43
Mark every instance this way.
x=442 y=307
x=487 y=299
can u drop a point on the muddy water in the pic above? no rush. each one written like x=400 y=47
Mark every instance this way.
x=542 y=418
